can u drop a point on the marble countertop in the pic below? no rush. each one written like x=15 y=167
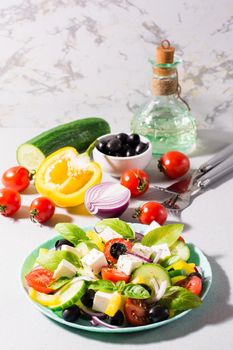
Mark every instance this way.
x=208 y=224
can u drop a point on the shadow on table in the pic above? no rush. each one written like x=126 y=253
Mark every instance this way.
x=215 y=309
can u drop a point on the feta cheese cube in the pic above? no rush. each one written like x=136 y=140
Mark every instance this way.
x=108 y=234
x=161 y=247
x=128 y=263
x=102 y=300
x=65 y=269
x=142 y=250
x=70 y=249
x=94 y=260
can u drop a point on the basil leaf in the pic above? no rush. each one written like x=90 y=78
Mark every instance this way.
x=102 y=285
x=59 y=283
x=180 y=299
x=52 y=259
x=165 y=234
x=71 y=232
x=117 y=225
x=119 y=286
x=136 y=291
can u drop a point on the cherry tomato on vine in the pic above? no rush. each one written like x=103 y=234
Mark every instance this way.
x=115 y=247
x=192 y=283
x=10 y=201
x=40 y=279
x=151 y=211
x=17 y=178
x=174 y=164
x=136 y=312
x=114 y=275
x=41 y=209
x=136 y=180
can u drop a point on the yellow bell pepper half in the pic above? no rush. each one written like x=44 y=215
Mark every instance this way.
x=64 y=177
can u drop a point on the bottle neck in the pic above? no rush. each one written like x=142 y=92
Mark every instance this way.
x=164 y=85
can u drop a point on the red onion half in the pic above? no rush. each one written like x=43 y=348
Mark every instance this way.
x=107 y=200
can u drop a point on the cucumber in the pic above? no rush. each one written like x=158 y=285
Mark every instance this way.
x=149 y=271
x=181 y=249
x=83 y=248
x=70 y=294
x=78 y=134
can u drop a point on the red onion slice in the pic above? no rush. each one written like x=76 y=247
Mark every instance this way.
x=158 y=256
x=161 y=291
x=140 y=257
x=95 y=321
x=91 y=313
x=108 y=199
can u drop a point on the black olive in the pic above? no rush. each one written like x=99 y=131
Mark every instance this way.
x=117 y=319
x=141 y=148
x=130 y=152
x=195 y=274
x=123 y=137
x=88 y=298
x=117 y=249
x=133 y=140
x=113 y=146
x=71 y=314
x=101 y=145
x=61 y=242
x=158 y=313
x=123 y=150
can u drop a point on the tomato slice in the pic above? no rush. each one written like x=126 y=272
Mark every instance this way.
x=40 y=279
x=114 y=275
x=192 y=283
x=115 y=247
x=136 y=312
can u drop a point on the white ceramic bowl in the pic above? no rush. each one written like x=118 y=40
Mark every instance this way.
x=115 y=166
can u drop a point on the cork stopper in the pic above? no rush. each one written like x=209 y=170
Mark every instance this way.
x=164 y=54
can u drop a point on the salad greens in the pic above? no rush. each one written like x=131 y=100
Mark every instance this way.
x=71 y=232
x=136 y=291
x=180 y=299
x=165 y=234
x=52 y=259
x=121 y=227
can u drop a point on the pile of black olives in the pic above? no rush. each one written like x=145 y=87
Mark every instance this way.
x=122 y=145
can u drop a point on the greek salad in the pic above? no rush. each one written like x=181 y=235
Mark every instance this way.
x=114 y=276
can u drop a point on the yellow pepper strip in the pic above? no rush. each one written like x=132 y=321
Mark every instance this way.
x=96 y=239
x=114 y=304
x=64 y=177
x=44 y=299
x=183 y=265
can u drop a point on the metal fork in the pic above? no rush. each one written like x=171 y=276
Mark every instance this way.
x=178 y=202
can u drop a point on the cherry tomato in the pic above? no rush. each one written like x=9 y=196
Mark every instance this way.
x=174 y=164
x=41 y=209
x=181 y=239
x=136 y=181
x=192 y=283
x=16 y=178
x=151 y=211
x=136 y=312
x=114 y=275
x=10 y=201
x=115 y=247
x=40 y=279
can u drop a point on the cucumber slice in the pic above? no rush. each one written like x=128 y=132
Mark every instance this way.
x=152 y=271
x=70 y=294
x=181 y=249
x=169 y=260
x=29 y=156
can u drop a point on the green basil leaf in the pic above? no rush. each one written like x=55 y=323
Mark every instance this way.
x=59 y=283
x=119 y=286
x=117 y=225
x=180 y=299
x=165 y=234
x=52 y=259
x=136 y=291
x=102 y=285
x=71 y=232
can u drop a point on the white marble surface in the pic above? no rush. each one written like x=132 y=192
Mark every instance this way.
x=65 y=59
x=208 y=224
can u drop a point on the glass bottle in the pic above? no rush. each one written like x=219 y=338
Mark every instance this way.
x=166 y=119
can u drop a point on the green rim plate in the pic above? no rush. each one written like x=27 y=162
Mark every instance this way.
x=196 y=256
